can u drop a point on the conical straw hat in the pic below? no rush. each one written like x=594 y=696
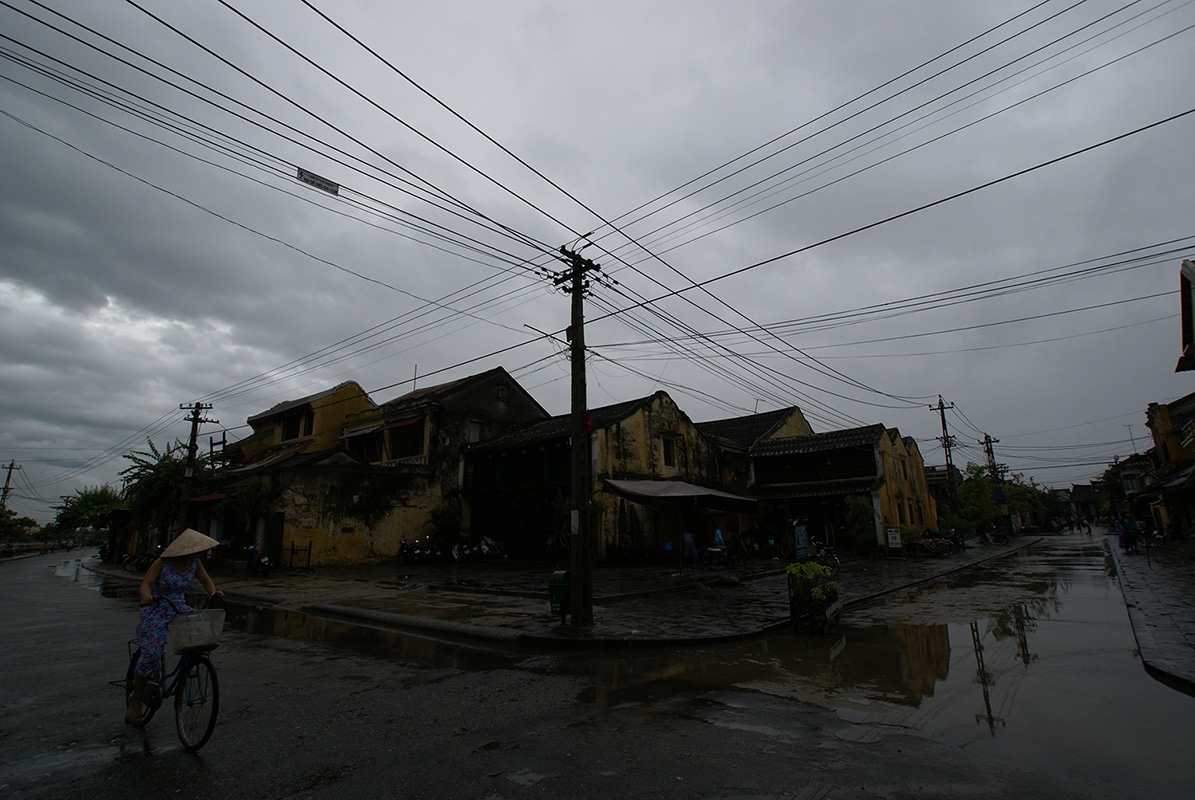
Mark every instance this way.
x=188 y=543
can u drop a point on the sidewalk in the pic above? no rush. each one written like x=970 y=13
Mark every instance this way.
x=633 y=606
x=1159 y=591
x=507 y=602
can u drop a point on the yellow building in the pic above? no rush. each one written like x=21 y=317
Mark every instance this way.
x=1159 y=486
x=808 y=478
x=518 y=486
x=336 y=478
x=307 y=425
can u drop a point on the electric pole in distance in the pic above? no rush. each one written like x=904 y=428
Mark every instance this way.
x=995 y=471
x=196 y=417
x=947 y=441
x=575 y=283
x=7 y=485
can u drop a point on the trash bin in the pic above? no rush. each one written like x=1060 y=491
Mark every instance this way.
x=560 y=594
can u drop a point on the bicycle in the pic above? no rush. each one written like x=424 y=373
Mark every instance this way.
x=140 y=562
x=826 y=556
x=993 y=536
x=192 y=683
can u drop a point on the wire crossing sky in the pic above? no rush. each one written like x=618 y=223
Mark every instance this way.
x=850 y=208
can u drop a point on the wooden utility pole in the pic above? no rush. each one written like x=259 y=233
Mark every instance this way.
x=947 y=441
x=579 y=537
x=7 y=484
x=995 y=471
x=196 y=417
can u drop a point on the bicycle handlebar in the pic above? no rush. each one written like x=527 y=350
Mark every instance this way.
x=157 y=598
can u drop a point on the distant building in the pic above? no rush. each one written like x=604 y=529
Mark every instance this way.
x=810 y=477
x=338 y=478
x=518 y=486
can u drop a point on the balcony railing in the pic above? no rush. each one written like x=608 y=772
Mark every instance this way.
x=415 y=461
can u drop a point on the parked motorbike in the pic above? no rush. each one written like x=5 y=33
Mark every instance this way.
x=716 y=555
x=418 y=551
x=463 y=551
x=256 y=562
x=487 y=547
x=936 y=543
x=993 y=537
x=406 y=552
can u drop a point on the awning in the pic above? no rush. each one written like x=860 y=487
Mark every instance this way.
x=402 y=423
x=361 y=432
x=680 y=492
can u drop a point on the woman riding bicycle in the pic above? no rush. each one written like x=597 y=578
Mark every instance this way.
x=170 y=576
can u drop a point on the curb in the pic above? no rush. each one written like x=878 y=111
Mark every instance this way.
x=1153 y=659
x=562 y=638
x=390 y=620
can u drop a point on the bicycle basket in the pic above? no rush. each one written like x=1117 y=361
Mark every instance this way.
x=196 y=630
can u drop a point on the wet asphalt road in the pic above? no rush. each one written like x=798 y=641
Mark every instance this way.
x=1018 y=679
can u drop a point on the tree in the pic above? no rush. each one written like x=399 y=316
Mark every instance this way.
x=979 y=499
x=156 y=483
x=974 y=506
x=1024 y=498
x=860 y=523
x=90 y=507
x=14 y=528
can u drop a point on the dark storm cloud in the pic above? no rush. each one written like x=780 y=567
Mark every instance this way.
x=136 y=277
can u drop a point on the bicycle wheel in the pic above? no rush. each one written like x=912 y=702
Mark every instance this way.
x=151 y=696
x=831 y=562
x=196 y=701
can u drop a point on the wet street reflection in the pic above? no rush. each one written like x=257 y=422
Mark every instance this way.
x=1030 y=658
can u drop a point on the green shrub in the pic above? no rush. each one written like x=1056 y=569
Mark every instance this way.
x=810 y=584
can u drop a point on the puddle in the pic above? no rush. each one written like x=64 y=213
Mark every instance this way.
x=1028 y=660
x=1017 y=645
x=74 y=569
x=384 y=643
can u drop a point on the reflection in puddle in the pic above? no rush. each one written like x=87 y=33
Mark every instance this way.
x=993 y=650
x=410 y=648
x=73 y=568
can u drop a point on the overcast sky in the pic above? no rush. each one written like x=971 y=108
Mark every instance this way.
x=851 y=207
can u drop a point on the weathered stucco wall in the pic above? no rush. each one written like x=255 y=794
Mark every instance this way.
x=904 y=498
x=634 y=449
x=341 y=529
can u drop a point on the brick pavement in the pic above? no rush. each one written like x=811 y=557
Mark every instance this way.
x=633 y=606
x=1159 y=591
x=645 y=606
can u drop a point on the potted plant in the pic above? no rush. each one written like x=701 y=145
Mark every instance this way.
x=812 y=594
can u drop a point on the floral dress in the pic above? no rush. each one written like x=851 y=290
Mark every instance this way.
x=153 y=619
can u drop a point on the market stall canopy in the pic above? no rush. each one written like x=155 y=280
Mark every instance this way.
x=680 y=492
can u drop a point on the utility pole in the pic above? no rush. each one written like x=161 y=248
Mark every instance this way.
x=7 y=485
x=196 y=418
x=947 y=441
x=995 y=471
x=575 y=283
x=1132 y=438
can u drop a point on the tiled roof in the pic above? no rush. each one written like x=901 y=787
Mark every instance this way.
x=831 y=488
x=253 y=437
x=819 y=442
x=438 y=390
x=745 y=431
x=560 y=427
x=422 y=396
x=302 y=401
